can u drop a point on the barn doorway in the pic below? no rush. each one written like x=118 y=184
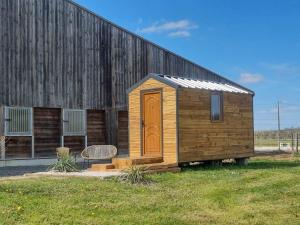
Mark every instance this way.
x=152 y=123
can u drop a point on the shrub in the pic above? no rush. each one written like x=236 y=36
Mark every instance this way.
x=65 y=163
x=135 y=175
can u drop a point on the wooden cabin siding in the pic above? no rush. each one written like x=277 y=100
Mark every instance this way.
x=202 y=139
x=47 y=131
x=169 y=138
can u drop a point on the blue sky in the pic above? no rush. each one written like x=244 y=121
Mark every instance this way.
x=255 y=43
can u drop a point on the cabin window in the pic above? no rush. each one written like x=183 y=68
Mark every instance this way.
x=216 y=107
x=74 y=122
x=18 y=121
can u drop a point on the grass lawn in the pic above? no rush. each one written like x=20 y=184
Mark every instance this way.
x=267 y=191
x=266 y=142
x=259 y=142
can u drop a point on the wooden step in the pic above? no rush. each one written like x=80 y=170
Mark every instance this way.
x=122 y=163
x=147 y=160
x=160 y=167
x=101 y=167
x=151 y=165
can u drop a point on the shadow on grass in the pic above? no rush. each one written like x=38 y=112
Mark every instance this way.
x=252 y=165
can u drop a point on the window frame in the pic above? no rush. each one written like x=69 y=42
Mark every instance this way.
x=221 y=96
x=7 y=120
x=64 y=121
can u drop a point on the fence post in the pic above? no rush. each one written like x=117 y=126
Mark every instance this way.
x=2 y=147
x=292 y=136
x=297 y=141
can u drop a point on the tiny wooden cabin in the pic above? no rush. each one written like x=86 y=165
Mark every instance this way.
x=189 y=120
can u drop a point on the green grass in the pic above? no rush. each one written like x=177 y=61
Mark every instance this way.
x=259 y=142
x=266 y=142
x=264 y=192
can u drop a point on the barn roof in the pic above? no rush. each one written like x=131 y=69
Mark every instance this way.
x=183 y=82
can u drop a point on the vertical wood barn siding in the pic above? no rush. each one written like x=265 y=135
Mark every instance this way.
x=201 y=139
x=18 y=148
x=47 y=131
x=169 y=138
x=123 y=132
x=53 y=54
x=2 y=121
x=75 y=143
x=47 y=134
x=56 y=54
x=96 y=130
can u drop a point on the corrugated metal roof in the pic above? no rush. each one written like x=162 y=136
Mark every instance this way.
x=203 y=84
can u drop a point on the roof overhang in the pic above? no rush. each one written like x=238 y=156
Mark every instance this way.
x=182 y=82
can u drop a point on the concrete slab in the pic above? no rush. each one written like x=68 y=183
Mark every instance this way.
x=84 y=173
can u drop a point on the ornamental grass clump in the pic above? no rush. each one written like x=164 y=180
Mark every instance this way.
x=135 y=175
x=65 y=163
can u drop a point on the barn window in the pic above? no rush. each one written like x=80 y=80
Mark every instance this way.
x=216 y=106
x=74 y=122
x=18 y=121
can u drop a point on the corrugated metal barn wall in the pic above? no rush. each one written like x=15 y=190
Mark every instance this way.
x=56 y=54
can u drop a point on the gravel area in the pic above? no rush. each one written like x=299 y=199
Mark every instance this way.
x=11 y=171
x=83 y=173
x=21 y=170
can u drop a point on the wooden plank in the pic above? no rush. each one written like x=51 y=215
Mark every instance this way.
x=18 y=148
x=2 y=121
x=202 y=139
x=96 y=129
x=123 y=132
x=47 y=131
x=75 y=143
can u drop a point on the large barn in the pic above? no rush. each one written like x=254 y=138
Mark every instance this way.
x=64 y=74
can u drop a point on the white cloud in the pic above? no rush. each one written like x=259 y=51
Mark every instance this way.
x=179 y=28
x=182 y=33
x=282 y=68
x=283 y=109
x=247 y=78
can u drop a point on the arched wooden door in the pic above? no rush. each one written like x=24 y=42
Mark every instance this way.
x=151 y=123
